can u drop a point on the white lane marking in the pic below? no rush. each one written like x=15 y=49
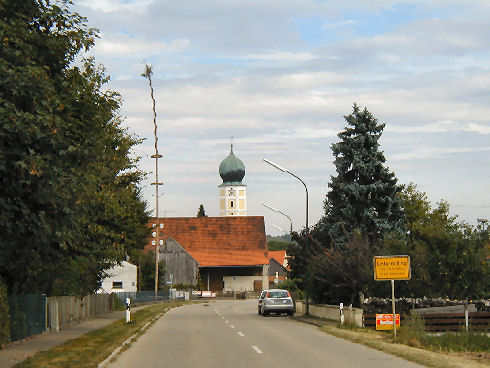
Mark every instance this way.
x=240 y=334
x=227 y=321
x=257 y=349
x=223 y=317
x=232 y=326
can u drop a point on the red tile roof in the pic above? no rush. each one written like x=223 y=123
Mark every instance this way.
x=219 y=241
x=278 y=255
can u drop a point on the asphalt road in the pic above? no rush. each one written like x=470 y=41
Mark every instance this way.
x=231 y=334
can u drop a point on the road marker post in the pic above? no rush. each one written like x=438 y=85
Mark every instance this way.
x=341 y=313
x=392 y=268
x=128 y=310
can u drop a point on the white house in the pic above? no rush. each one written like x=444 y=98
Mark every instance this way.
x=121 y=278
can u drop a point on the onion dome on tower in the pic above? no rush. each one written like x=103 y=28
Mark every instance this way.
x=232 y=192
x=231 y=170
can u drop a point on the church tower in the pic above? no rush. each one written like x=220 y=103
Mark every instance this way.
x=232 y=192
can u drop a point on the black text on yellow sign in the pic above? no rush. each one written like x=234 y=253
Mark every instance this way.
x=392 y=268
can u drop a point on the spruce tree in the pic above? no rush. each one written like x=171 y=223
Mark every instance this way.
x=363 y=195
x=201 y=212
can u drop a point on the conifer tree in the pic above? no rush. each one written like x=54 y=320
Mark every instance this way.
x=363 y=195
x=201 y=212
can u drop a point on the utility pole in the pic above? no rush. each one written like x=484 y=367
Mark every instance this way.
x=147 y=74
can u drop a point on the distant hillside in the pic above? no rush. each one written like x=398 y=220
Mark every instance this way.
x=278 y=242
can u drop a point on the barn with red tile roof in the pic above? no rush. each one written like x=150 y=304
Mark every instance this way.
x=230 y=252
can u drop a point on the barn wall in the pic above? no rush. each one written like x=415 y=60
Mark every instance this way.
x=178 y=263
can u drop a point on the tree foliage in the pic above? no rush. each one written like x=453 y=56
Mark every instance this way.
x=70 y=205
x=146 y=269
x=340 y=273
x=363 y=194
x=449 y=258
x=201 y=212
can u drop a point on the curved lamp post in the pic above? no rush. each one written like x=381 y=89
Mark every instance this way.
x=307 y=229
x=282 y=213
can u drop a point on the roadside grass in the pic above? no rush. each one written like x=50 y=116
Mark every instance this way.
x=452 y=350
x=92 y=348
x=413 y=333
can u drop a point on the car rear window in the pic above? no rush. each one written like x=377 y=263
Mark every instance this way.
x=278 y=294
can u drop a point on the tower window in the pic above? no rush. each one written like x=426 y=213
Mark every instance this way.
x=231 y=204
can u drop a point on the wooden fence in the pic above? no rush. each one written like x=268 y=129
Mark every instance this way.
x=443 y=321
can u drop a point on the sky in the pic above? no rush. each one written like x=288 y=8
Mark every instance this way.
x=279 y=76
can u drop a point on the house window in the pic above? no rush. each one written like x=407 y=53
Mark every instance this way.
x=117 y=285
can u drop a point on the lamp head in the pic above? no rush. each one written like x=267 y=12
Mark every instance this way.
x=275 y=165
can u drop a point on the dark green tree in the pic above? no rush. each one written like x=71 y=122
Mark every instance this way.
x=70 y=204
x=363 y=194
x=145 y=260
x=342 y=273
x=201 y=212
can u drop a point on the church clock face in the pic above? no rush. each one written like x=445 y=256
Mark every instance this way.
x=231 y=192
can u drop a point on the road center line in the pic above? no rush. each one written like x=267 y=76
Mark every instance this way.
x=257 y=349
x=240 y=333
x=232 y=326
x=227 y=321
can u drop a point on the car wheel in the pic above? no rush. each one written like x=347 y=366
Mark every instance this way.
x=265 y=313
x=258 y=311
x=290 y=313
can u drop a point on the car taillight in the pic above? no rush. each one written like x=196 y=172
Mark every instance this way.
x=289 y=295
x=267 y=295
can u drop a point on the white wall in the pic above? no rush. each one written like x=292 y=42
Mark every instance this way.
x=240 y=283
x=126 y=273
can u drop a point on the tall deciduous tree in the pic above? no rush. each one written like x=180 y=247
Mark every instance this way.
x=70 y=205
x=449 y=258
x=363 y=194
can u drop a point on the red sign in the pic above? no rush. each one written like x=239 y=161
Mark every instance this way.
x=385 y=321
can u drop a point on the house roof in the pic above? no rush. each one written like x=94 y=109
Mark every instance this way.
x=218 y=241
x=278 y=255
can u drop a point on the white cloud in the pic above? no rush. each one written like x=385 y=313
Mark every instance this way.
x=110 y=6
x=125 y=46
x=245 y=70
x=435 y=153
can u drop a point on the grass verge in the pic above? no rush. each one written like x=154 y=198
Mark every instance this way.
x=383 y=342
x=92 y=348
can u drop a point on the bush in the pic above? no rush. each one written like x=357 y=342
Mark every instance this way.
x=412 y=331
x=291 y=285
x=4 y=315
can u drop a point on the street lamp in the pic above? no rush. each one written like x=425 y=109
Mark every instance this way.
x=280 y=228
x=307 y=229
x=282 y=213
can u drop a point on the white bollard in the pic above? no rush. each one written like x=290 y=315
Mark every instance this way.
x=341 y=314
x=128 y=310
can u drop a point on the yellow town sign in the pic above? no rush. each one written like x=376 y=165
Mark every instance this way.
x=392 y=268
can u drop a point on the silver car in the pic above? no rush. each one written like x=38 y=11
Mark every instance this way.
x=275 y=301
